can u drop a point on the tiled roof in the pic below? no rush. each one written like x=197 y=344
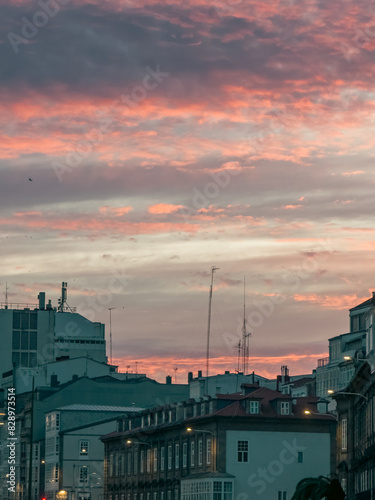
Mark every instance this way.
x=78 y=407
x=366 y=303
x=233 y=410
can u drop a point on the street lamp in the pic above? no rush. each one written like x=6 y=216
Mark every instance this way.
x=129 y=441
x=308 y=412
x=190 y=429
x=204 y=431
x=331 y=391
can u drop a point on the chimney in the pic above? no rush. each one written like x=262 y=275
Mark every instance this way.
x=190 y=376
x=199 y=373
x=54 y=381
x=373 y=294
x=168 y=380
x=75 y=377
x=42 y=300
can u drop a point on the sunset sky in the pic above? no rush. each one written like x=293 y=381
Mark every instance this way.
x=162 y=138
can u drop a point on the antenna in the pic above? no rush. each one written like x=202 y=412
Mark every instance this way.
x=175 y=375
x=6 y=295
x=110 y=309
x=245 y=335
x=213 y=269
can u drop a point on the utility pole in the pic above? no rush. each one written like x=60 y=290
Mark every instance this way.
x=213 y=269
x=110 y=309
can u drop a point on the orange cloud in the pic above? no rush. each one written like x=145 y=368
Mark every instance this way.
x=164 y=208
x=116 y=211
x=266 y=366
x=336 y=302
x=291 y=207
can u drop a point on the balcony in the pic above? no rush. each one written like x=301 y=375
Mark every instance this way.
x=322 y=362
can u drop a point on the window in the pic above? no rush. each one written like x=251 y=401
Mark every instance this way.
x=155 y=459
x=177 y=456
x=142 y=462
x=192 y=454
x=129 y=464
x=122 y=464
x=208 y=451
x=83 y=474
x=228 y=490
x=254 y=406
x=300 y=457
x=57 y=420
x=162 y=458
x=200 y=452
x=284 y=408
x=135 y=465
x=148 y=461
x=110 y=465
x=281 y=495
x=116 y=463
x=57 y=445
x=218 y=485
x=344 y=434
x=184 y=455
x=242 y=451
x=83 y=448
x=169 y=457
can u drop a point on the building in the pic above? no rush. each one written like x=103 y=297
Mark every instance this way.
x=254 y=444
x=335 y=371
x=74 y=454
x=356 y=434
x=37 y=334
x=226 y=383
x=105 y=390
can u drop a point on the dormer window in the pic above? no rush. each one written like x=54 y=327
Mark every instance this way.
x=149 y=419
x=163 y=417
x=170 y=415
x=254 y=407
x=285 y=408
x=143 y=422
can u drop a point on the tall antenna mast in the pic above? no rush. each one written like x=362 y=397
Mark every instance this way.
x=245 y=335
x=110 y=309
x=213 y=269
x=6 y=295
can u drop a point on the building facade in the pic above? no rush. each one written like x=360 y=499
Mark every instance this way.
x=335 y=371
x=356 y=435
x=255 y=444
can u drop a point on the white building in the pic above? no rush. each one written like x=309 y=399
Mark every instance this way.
x=336 y=371
x=33 y=335
x=74 y=454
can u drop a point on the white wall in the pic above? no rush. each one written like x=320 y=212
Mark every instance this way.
x=272 y=463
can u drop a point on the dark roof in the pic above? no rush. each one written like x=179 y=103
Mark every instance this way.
x=366 y=303
x=233 y=410
x=302 y=381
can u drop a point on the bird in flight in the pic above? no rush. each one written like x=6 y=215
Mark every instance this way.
x=30 y=180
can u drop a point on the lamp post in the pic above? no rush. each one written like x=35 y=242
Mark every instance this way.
x=308 y=412
x=331 y=391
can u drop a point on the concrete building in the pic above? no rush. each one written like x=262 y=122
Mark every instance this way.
x=335 y=371
x=226 y=383
x=356 y=434
x=106 y=390
x=74 y=454
x=255 y=444
x=36 y=334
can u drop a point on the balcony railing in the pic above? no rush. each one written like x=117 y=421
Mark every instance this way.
x=323 y=362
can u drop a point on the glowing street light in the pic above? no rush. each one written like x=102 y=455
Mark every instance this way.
x=331 y=391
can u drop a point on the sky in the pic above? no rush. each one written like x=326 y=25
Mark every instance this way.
x=144 y=142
